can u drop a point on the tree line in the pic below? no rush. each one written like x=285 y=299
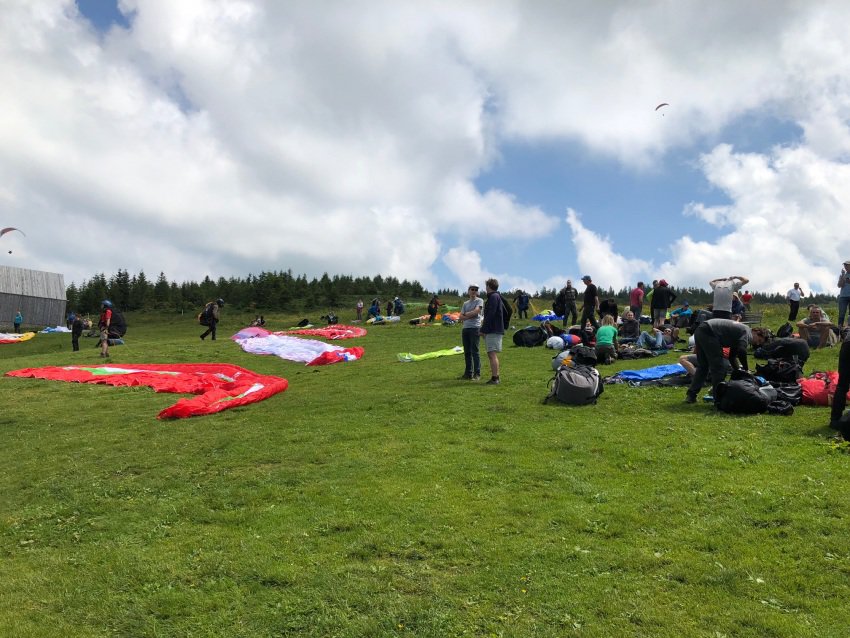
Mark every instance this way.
x=270 y=291
x=284 y=292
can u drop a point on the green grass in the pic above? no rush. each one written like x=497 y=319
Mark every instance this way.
x=378 y=498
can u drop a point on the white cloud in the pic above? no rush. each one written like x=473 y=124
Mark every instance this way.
x=225 y=137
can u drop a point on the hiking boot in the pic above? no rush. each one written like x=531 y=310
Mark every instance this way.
x=202 y=337
x=689 y=398
x=493 y=381
x=476 y=377
x=465 y=377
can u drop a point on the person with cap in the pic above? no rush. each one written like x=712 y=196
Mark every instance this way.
x=590 y=306
x=843 y=293
x=212 y=315
x=493 y=328
x=103 y=326
x=470 y=314
x=793 y=297
x=723 y=287
x=662 y=300
x=710 y=338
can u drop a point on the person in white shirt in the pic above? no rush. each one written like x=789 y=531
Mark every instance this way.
x=793 y=296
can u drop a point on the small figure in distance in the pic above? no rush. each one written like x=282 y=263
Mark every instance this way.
x=19 y=319
x=359 y=309
x=523 y=301
x=212 y=315
x=103 y=323
x=76 y=331
x=434 y=307
x=793 y=296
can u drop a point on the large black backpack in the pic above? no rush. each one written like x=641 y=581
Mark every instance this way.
x=743 y=394
x=117 y=325
x=530 y=336
x=507 y=313
x=780 y=370
x=786 y=330
x=584 y=355
x=575 y=385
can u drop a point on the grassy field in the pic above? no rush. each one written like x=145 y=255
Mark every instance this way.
x=378 y=498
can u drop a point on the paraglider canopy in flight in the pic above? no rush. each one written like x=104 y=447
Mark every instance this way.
x=9 y=230
x=660 y=105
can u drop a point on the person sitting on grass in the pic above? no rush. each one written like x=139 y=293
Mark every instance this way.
x=769 y=347
x=606 y=341
x=816 y=329
x=660 y=340
x=629 y=329
x=681 y=317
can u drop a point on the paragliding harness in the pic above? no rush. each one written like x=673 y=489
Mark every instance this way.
x=117 y=325
x=206 y=315
x=530 y=336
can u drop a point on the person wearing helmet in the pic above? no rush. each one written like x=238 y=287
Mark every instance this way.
x=103 y=326
x=211 y=314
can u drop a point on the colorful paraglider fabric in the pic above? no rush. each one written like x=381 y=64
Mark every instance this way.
x=380 y=319
x=50 y=329
x=9 y=229
x=450 y=318
x=819 y=388
x=547 y=315
x=219 y=386
x=334 y=332
x=407 y=357
x=309 y=351
x=12 y=337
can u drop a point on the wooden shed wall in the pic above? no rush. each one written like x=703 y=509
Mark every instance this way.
x=40 y=296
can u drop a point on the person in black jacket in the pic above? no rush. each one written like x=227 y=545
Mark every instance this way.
x=838 y=419
x=710 y=338
x=662 y=300
x=493 y=328
x=783 y=348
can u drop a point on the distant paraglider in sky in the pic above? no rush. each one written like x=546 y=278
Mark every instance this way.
x=660 y=105
x=9 y=230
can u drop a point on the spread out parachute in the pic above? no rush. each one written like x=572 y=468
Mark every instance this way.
x=660 y=105
x=3 y=231
x=309 y=351
x=337 y=331
x=219 y=386
x=11 y=337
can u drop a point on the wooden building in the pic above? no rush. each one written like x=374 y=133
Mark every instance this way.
x=40 y=296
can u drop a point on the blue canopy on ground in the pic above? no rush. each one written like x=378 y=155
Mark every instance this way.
x=655 y=372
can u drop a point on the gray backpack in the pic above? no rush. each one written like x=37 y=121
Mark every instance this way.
x=575 y=385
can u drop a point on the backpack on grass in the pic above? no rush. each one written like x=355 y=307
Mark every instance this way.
x=575 y=385
x=530 y=336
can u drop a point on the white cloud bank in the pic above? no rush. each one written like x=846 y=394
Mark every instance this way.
x=226 y=137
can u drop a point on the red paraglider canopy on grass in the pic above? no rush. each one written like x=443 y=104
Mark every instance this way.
x=219 y=386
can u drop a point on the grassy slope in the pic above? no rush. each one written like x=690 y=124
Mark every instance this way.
x=378 y=498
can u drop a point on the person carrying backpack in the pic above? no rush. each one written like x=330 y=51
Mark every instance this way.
x=210 y=317
x=103 y=324
x=493 y=328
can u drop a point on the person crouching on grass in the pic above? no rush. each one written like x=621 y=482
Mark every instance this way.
x=493 y=328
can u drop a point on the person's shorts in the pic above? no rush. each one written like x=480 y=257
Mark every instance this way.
x=493 y=342
x=659 y=314
x=104 y=334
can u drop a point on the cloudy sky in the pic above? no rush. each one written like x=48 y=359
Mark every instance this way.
x=438 y=141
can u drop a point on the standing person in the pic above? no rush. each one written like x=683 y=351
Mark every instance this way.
x=591 y=303
x=359 y=308
x=522 y=303
x=723 y=288
x=565 y=304
x=212 y=315
x=19 y=319
x=710 y=338
x=636 y=300
x=793 y=296
x=662 y=299
x=76 y=331
x=839 y=401
x=747 y=298
x=375 y=308
x=389 y=308
x=103 y=324
x=493 y=328
x=470 y=314
x=433 y=307
x=843 y=293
